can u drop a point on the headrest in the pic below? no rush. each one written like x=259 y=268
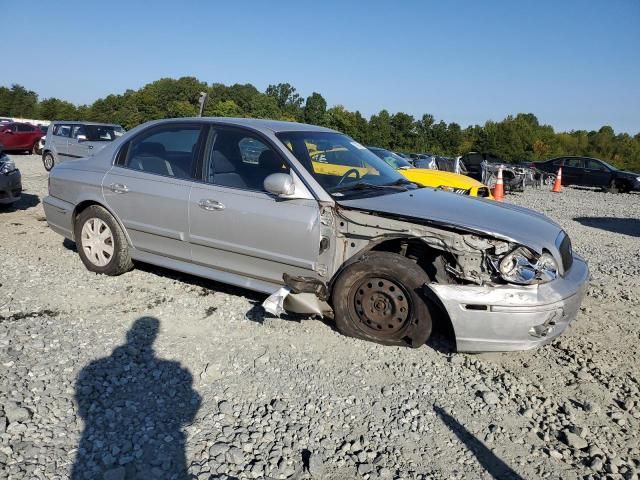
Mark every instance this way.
x=151 y=148
x=221 y=164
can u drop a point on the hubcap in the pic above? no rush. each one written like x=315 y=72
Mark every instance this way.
x=382 y=306
x=48 y=160
x=97 y=242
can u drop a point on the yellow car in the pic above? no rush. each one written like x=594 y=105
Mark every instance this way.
x=453 y=182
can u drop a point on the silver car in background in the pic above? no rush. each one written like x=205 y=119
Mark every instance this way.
x=72 y=140
x=247 y=202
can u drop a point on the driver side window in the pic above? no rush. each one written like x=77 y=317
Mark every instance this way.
x=240 y=160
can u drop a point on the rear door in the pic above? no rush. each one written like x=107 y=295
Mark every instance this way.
x=596 y=174
x=238 y=227
x=148 y=188
x=60 y=141
x=572 y=171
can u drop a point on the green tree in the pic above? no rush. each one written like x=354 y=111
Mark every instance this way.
x=315 y=109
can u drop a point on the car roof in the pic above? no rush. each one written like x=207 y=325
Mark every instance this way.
x=77 y=122
x=275 y=126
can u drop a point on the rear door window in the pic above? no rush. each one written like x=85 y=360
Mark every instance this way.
x=574 y=162
x=169 y=151
x=23 y=127
x=62 y=130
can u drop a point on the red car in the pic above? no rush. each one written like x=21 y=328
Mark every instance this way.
x=20 y=136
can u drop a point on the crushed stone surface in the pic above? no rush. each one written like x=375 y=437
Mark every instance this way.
x=155 y=374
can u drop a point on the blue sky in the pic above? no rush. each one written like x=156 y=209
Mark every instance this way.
x=575 y=64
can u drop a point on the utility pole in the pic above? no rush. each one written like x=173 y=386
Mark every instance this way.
x=204 y=96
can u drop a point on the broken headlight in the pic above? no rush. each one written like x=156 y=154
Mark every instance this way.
x=7 y=166
x=524 y=267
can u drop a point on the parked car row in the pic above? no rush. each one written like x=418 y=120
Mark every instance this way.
x=344 y=232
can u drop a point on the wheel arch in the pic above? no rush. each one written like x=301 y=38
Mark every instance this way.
x=424 y=254
x=83 y=205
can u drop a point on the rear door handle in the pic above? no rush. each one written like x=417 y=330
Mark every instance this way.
x=210 y=205
x=118 y=188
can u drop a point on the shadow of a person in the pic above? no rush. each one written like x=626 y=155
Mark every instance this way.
x=134 y=406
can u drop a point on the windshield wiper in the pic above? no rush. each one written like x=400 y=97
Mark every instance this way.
x=369 y=186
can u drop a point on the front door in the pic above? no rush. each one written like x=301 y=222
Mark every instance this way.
x=148 y=189
x=596 y=174
x=9 y=137
x=236 y=226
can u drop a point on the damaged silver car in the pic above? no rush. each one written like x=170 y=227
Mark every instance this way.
x=318 y=222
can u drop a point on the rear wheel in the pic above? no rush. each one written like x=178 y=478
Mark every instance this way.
x=613 y=187
x=102 y=245
x=379 y=298
x=48 y=161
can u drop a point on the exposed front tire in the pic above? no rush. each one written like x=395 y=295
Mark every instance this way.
x=35 y=150
x=379 y=298
x=48 y=161
x=101 y=243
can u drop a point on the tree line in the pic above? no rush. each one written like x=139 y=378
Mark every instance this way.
x=515 y=138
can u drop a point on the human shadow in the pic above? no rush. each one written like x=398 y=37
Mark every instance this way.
x=134 y=406
x=626 y=226
x=493 y=464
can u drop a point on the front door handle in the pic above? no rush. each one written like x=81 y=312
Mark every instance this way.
x=118 y=188
x=210 y=205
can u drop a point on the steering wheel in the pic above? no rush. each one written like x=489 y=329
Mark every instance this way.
x=346 y=174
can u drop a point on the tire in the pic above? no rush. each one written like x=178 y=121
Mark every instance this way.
x=379 y=298
x=48 y=161
x=108 y=255
x=612 y=188
x=35 y=149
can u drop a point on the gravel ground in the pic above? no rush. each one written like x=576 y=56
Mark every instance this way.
x=155 y=374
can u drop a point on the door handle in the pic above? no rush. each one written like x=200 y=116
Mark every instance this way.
x=210 y=205
x=89 y=147
x=118 y=188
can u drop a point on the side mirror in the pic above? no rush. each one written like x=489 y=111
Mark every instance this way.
x=279 y=184
x=81 y=138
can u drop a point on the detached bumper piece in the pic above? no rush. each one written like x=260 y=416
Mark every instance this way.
x=510 y=317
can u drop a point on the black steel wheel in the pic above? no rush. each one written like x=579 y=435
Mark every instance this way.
x=379 y=298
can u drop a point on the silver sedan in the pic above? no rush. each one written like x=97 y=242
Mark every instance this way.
x=318 y=222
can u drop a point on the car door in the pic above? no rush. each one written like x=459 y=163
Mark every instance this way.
x=9 y=136
x=236 y=226
x=79 y=147
x=596 y=173
x=148 y=188
x=572 y=171
x=25 y=135
x=60 y=141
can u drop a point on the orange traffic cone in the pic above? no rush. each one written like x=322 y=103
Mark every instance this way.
x=557 y=185
x=498 y=190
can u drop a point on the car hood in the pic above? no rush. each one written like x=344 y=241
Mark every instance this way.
x=435 y=206
x=631 y=174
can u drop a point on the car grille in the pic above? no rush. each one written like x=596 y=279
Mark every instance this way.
x=566 y=252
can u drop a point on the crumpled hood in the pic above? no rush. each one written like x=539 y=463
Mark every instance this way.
x=508 y=222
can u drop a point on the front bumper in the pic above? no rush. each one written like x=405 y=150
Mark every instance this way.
x=10 y=187
x=510 y=317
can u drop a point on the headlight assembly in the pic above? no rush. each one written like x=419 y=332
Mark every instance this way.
x=7 y=167
x=524 y=267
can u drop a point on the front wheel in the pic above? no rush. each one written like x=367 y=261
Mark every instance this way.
x=102 y=245
x=35 y=150
x=379 y=298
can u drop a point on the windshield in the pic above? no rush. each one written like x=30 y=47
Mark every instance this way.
x=343 y=166
x=392 y=159
x=102 y=133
